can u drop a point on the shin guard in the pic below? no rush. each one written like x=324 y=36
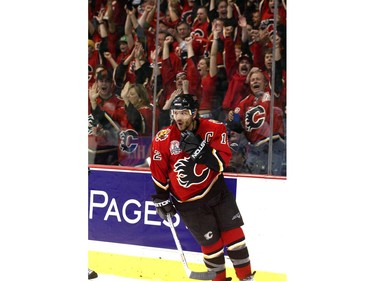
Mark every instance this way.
x=213 y=257
x=237 y=252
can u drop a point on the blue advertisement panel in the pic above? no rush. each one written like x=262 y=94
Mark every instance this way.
x=121 y=211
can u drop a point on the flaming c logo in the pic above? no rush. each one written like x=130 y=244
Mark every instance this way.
x=187 y=174
x=255 y=118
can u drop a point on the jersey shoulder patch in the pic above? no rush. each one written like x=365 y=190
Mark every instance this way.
x=162 y=135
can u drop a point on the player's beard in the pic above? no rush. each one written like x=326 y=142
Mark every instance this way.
x=185 y=125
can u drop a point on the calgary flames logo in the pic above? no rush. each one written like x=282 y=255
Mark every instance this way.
x=187 y=174
x=255 y=118
x=128 y=140
x=162 y=135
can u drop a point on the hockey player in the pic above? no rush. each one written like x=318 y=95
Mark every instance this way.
x=187 y=163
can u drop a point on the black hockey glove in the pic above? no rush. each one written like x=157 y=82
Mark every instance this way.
x=193 y=144
x=163 y=205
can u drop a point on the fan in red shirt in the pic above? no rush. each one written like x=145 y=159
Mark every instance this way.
x=254 y=113
x=188 y=7
x=102 y=138
x=172 y=77
x=201 y=25
x=184 y=31
x=125 y=46
x=237 y=72
x=264 y=61
x=200 y=29
x=187 y=163
x=267 y=10
x=135 y=135
x=206 y=74
x=105 y=35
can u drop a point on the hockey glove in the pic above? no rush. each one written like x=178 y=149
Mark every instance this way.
x=193 y=144
x=163 y=205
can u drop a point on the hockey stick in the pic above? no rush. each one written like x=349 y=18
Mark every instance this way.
x=207 y=275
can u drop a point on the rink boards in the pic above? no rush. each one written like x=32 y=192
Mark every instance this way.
x=127 y=238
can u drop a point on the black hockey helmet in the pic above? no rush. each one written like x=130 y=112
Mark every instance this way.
x=185 y=101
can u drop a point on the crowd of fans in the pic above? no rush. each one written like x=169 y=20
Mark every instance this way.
x=230 y=54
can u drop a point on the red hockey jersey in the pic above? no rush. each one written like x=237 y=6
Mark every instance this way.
x=173 y=169
x=255 y=117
